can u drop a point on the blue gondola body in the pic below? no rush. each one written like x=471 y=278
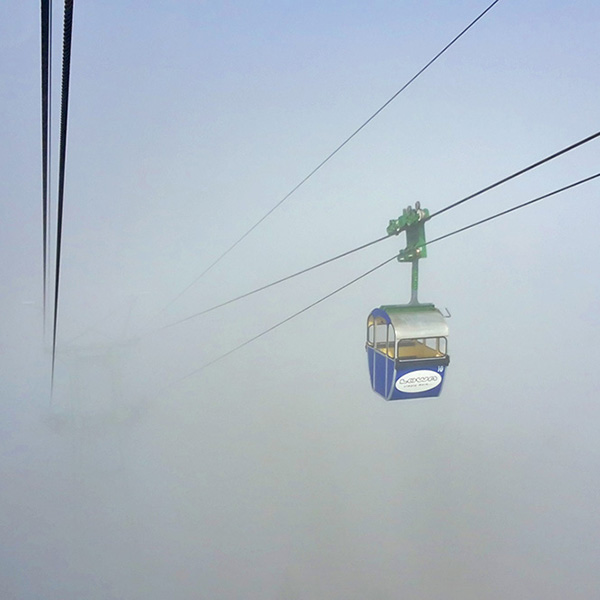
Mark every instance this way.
x=407 y=351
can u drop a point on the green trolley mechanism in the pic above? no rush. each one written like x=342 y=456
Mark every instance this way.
x=407 y=344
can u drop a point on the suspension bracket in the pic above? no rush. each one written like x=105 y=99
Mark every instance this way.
x=412 y=221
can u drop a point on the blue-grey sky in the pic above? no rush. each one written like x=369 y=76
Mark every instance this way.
x=277 y=473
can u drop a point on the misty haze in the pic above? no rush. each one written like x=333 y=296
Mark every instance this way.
x=162 y=466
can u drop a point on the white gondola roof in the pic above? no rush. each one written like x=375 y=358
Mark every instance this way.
x=412 y=322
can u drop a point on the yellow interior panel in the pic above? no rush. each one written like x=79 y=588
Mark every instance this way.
x=416 y=350
x=408 y=349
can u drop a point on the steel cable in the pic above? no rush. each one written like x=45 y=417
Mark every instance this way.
x=521 y=172
x=287 y=278
x=46 y=58
x=296 y=314
x=514 y=208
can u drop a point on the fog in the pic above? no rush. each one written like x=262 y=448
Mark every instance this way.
x=276 y=473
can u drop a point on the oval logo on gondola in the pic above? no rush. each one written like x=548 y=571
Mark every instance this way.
x=418 y=381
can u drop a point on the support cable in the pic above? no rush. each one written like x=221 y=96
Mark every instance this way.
x=64 y=111
x=287 y=278
x=334 y=152
x=296 y=314
x=514 y=175
x=46 y=69
x=442 y=237
x=514 y=208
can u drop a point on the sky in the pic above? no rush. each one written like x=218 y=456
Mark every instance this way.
x=276 y=473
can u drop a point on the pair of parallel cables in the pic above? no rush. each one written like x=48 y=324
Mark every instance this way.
x=46 y=73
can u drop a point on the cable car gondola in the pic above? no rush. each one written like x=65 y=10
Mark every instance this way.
x=407 y=351
x=407 y=343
